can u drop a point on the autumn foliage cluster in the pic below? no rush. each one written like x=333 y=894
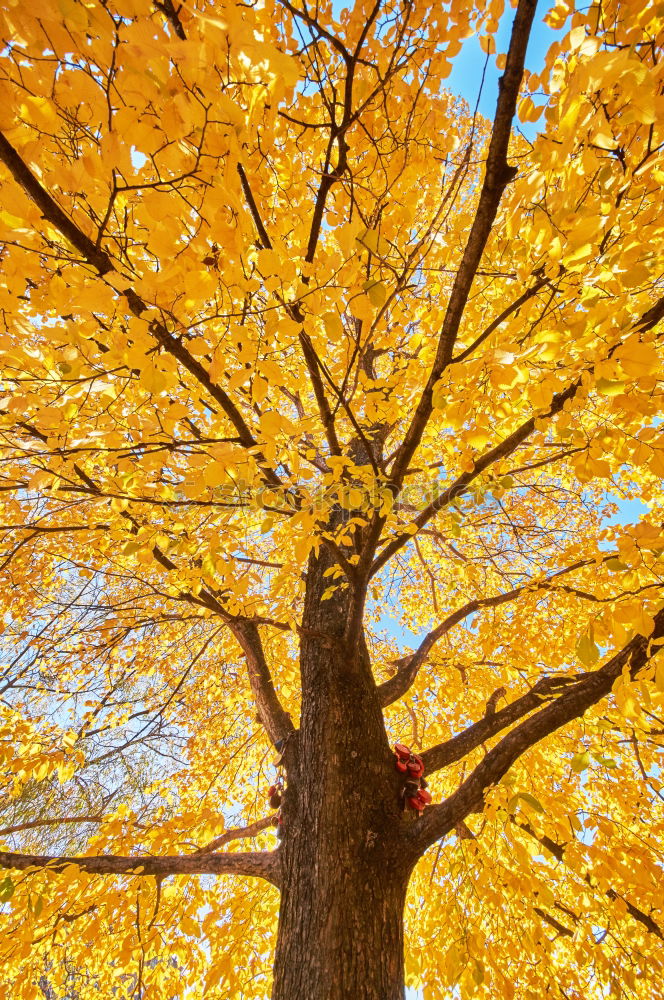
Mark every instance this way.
x=277 y=307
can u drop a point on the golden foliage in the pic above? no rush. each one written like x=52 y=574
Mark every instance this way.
x=269 y=210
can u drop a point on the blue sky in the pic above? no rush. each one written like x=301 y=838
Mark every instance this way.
x=468 y=65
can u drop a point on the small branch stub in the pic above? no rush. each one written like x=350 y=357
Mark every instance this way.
x=275 y=796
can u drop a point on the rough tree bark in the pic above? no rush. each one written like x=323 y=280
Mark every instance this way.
x=343 y=878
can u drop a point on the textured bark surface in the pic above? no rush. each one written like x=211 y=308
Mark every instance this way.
x=341 y=933
x=343 y=881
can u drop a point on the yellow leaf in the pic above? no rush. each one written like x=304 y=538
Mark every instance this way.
x=659 y=672
x=361 y=307
x=369 y=239
x=586 y=650
x=376 y=292
x=638 y=359
x=333 y=326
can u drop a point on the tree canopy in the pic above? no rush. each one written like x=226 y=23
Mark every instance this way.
x=273 y=294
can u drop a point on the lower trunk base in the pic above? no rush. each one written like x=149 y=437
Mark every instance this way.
x=342 y=939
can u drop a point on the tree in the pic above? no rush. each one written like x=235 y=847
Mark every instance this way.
x=320 y=393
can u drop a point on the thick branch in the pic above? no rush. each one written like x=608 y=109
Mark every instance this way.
x=167 y=7
x=652 y=317
x=552 y=922
x=277 y=722
x=405 y=677
x=492 y=723
x=577 y=699
x=497 y=175
x=259 y=864
x=51 y=210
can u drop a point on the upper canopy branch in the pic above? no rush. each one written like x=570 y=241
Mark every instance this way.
x=293 y=309
x=103 y=265
x=259 y=864
x=50 y=821
x=577 y=699
x=497 y=176
x=481 y=464
x=504 y=449
x=330 y=175
x=501 y=317
x=312 y=22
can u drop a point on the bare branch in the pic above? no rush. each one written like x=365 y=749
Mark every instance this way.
x=651 y=317
x=257 y=864
x=409 y=666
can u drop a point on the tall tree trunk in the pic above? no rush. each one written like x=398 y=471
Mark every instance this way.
x=343 y=883
x=341 y=935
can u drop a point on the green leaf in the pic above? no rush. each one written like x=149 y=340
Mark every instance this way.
x=527 y=798
x=6 y=889
x=616 y=565
x=334 y=328
x=604 y=761
x=131 y=547
x=369 y=239
x=580 y=761
x=659 y=674
x=586 y=650
x=607 y=387
x=439 y=399
x=532 y=801
x=377 y=292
